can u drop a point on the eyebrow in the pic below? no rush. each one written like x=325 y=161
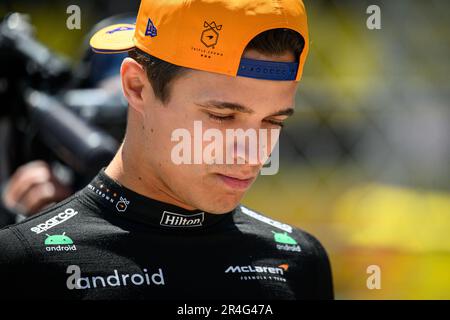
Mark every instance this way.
x=240 y=108
x=285 y=112
x=225 y=105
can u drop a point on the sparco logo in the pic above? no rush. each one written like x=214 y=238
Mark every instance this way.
x=171 y=219
x=59 y=218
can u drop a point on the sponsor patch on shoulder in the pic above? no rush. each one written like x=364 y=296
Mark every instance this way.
x=267 y=220
x=55 y=220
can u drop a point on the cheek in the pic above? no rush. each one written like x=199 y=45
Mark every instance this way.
x=158 y=127
x=159 y=150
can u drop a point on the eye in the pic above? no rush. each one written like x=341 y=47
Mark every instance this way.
x=220 y=118
x=277 y=123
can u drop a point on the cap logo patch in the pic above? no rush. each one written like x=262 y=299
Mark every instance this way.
x=151 y=29
x=210 y=35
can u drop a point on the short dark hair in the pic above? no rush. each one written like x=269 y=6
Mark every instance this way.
x=161 y=73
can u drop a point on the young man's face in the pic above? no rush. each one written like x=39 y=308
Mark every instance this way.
x=217 y=102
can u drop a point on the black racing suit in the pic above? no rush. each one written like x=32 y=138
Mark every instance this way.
x=108 y=242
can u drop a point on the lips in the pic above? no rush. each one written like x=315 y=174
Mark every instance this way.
x=236 y=182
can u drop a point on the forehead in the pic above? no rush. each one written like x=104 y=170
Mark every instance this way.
x=198 y=86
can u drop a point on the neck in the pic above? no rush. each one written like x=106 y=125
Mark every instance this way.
x=125 y=170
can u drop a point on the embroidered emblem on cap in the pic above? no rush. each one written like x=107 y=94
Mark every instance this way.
x=210 y=35
x=151 y=29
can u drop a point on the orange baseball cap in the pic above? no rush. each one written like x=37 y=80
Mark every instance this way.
x=209 y=35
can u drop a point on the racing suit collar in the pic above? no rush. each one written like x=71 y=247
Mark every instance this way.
x=123 y=202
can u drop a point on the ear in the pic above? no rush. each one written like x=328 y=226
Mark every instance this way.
x=134 y=82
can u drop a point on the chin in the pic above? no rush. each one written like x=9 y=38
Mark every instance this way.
x=223 y=204
x=220 y=210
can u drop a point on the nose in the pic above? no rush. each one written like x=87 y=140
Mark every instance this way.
x=251 y=147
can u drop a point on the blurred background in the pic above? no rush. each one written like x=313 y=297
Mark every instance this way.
x=365 y=160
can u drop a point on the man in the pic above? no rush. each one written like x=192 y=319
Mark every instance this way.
x=151 y=226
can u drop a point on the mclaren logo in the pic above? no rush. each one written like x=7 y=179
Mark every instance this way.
x=281 y=269
x=259 y=272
